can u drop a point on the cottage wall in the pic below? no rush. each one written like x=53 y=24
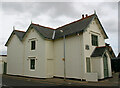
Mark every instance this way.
x=15 y=56
x=1 y=66
x=73 y=57
x=94 y=29
x=38 y=54
x=49 y=55
x=2 y=60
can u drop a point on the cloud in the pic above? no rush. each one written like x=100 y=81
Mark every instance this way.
x=54 y=9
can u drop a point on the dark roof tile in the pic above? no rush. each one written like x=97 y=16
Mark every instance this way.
x=99 y=51
x=19 y=34
x=44 y=31
x=74 y=27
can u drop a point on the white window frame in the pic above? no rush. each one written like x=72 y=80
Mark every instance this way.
x=30 y=63
x=33 y=39
x=87 y=65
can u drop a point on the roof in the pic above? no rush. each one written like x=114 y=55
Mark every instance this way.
x=19 y=34
x=46 y=32
x=75 y=27
x=118 y=55
x=99 y=51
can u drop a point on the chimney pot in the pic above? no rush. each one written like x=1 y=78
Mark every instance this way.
x=82 y=16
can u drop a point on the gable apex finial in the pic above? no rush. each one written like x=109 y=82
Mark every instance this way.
x=13 y=28
x=94 y=11
x=31 y=21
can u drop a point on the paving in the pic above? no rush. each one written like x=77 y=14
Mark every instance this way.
x=10 y=81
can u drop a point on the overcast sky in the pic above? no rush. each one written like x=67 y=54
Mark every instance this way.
x=55 y=14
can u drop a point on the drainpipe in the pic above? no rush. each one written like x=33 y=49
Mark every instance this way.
x=53 y=34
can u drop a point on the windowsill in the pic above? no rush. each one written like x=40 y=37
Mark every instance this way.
x=32 y=70
x=94 y=45
x=32 y=50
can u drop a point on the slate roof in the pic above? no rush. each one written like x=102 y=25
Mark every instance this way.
x=74 y=27
x=20 y=34
x=99 y=51
x=44 y=31
x=68 y=29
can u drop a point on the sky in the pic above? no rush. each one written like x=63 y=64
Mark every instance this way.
x=55 y=14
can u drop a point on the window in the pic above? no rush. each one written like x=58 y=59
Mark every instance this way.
x=32 y=64
x=32 y=45
x=88 y=65
x=94 y=40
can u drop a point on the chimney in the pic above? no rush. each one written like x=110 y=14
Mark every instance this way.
x=107 y=44
x=86 y=15
x=82 y=16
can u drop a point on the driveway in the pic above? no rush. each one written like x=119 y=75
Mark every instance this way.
x=9 y=81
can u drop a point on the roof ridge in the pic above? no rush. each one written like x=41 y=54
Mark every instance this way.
x=19 y=31
x=65 y=24
x=76 y=21
x=43 y=26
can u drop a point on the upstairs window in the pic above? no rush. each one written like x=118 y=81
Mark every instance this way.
x=33 y=45
x=94 y=40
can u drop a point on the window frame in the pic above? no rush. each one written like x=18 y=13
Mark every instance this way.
x=30 y=64
x=94 y=40
x=88 y=70
x=33 y=44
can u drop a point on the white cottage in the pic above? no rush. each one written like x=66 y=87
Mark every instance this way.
x=3 y=64
x=39 y=51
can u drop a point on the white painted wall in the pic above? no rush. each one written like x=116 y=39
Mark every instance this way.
x=49 y=58
x=38 y=53
x=97 y=66
x=91 y=77
x=15 y=56
x=1 y=66
x=93 y=28
x=2 y=60
x=74 y=54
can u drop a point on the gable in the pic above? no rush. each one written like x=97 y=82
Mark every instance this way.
x=98 y=52
x=44 y=32
x=101 y=27
x=32 y=34
x=18 y=33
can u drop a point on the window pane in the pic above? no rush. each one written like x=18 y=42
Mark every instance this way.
x=94 y=40
x=32 y=45
x=32 y=63
x=88 y=65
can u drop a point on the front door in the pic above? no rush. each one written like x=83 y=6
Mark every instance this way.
x=105 y=66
